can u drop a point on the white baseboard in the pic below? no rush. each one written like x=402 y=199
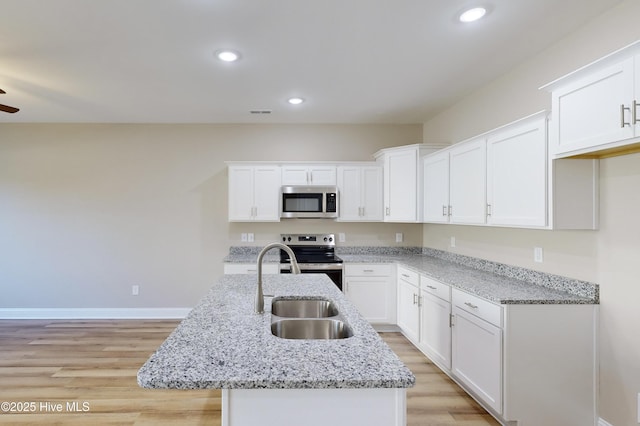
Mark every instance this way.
x=94 y=313
x=602 y=422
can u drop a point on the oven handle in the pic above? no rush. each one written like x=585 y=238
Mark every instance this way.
x=315 y=266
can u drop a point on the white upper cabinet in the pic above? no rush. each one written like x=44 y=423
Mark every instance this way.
x=596 y=109
x=467 y=189
x=436 y=187
x=254 y=193
x=360 y=190
x=309 y=174
x=517 y=174
x=403 y=181
x=505 y=178
x=400 y=186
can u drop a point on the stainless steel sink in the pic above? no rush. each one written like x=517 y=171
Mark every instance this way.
x=303 y=308
x=310 y=329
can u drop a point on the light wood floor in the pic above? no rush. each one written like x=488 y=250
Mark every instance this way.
x=94 y=363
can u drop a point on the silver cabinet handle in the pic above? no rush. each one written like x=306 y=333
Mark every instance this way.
x=488 y=209
x=405 y=275
x=622 y=110
x=471 y=305
x=634 y=112
x=450 y=210
x=367 y=270
x=415 y=296
x=386 y=210
x=432 y=287
x=444 y=210
x=363 y=211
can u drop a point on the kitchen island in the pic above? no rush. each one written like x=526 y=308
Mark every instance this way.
x=224 y=344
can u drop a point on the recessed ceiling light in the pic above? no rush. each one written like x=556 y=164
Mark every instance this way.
x=472 y=15
x=295 y=101
x=227 y=55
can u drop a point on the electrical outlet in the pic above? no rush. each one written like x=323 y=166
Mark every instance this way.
x=453 y=241
x=135 y=290
x=537 y=254
x=342 y=237
x=398 y=237
x=250 y=237
x=243 y=237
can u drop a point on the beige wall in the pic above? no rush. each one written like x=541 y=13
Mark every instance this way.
x=609 y=256
x=87 y=211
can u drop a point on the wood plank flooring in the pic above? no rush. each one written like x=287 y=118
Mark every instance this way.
x=84 y=372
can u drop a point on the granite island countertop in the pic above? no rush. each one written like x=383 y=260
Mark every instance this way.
x=224 y=344
x=496 y=282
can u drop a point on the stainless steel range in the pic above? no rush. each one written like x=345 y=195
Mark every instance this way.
x=315 y=254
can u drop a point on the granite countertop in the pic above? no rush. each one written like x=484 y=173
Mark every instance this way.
x=487 y=285
x=224 y=344
x=496 y=282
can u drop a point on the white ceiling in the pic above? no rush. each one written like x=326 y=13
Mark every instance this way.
x=354 y=61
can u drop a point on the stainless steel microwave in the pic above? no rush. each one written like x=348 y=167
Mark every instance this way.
x=309 y=202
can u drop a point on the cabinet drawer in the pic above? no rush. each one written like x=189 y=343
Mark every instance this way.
x=481 y=308
x=250 y=268
x=408 y=276
x=372 y=270
x=441 y=290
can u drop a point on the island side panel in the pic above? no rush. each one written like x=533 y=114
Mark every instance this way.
x=314 y=407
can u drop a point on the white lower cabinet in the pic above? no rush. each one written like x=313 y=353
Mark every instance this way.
x=372 y=289
x=531 y=364
x=435 y=321
x=409 y=304
x=477 y=353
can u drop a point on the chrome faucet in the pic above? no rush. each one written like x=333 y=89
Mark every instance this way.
x=295 y=269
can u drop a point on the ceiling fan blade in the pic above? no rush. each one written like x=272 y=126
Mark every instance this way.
x=9 y=109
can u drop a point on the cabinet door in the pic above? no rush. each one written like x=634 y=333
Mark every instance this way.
x=517 y=175
x=436 y=187
x=400 y=186
x=477 y=356
x=409 y=310
x=322 y=175
x=372 y=194
x=267 y=193
x=373 y=296
x=435 y=329
x=467 y=183
x=589 y=112
x=295 y=175
x=241 y=193
x=350 y=189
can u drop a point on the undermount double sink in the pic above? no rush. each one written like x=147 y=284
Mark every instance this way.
x=308 y=318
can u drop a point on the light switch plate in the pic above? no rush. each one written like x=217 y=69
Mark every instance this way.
x=243 y=237
x=537 y=254
x=250 y=237
x=453 y=241
x=342 y=237
x=135 y=290
x=398 y=237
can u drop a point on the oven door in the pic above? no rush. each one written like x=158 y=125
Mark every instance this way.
x=332 y=270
